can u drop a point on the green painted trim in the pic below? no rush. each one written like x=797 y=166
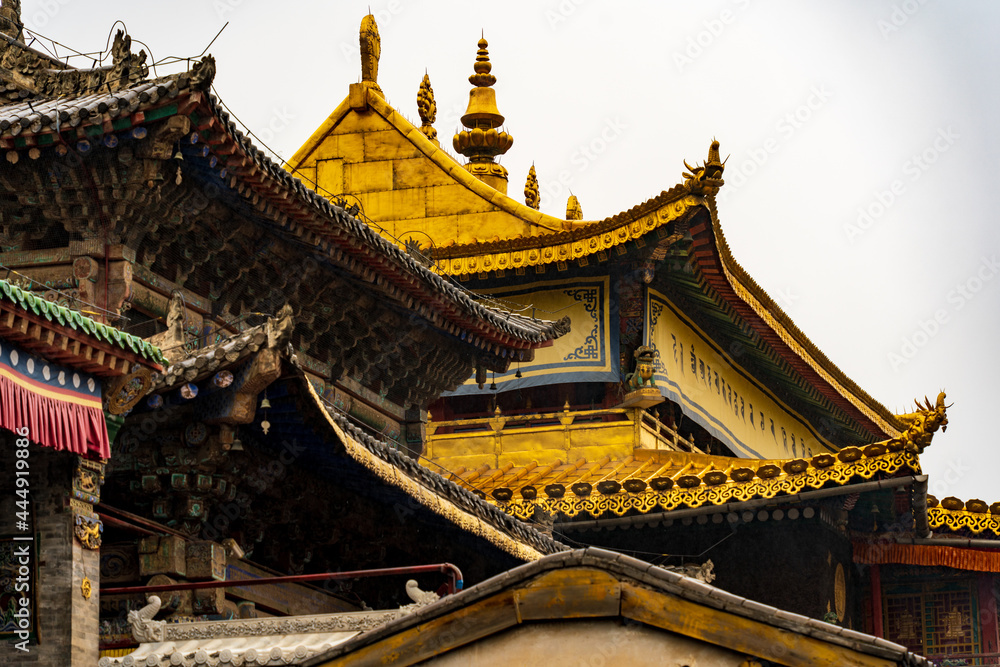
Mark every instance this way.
x=76 y=321
x=162 y=112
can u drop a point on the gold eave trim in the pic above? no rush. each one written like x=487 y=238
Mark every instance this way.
x=977 y=522
x=596 y=504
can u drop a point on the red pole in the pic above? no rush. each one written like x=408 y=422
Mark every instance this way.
x=455 y=583
x=876 y=576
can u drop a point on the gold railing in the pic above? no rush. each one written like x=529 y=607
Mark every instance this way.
x=581 y=430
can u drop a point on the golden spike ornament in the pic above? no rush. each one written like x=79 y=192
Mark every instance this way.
x=371 y=50
x=532 y=198
x=573 y=209
x=427 y=108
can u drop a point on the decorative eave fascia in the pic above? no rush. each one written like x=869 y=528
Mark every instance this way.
x=955 y=515
x=65 y=336
x=753 y=479
x=594 y=241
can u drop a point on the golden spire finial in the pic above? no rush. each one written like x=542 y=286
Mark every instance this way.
x=371 y=50
x=531 y=197
x=573 y=209
x=427 y=108
x=482 y=67
x=482 y=141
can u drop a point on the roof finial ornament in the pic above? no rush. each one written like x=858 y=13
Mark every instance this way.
x=706 y=179
x=532 y=198
x=371 y=50
x=573 y=209
x=427 y=108
x=10 y=19
x=482 y=142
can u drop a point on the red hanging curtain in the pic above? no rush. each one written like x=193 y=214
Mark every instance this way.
x=958 y=558
x=60 y=407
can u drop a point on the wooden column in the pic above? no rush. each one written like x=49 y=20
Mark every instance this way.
x=987 y=614
x=876 y=581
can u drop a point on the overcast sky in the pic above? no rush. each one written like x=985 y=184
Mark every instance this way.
x=862 y=185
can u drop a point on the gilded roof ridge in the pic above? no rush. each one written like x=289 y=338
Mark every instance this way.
x=435 y=153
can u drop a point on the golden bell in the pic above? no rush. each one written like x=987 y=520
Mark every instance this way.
x=265 y=403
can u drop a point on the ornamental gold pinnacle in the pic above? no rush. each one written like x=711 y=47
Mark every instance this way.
x=532 y=198
x=427 y=108
x=481 y=142
x=371 y=51
x=573 y=209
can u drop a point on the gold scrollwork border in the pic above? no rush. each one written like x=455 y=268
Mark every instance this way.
x=619 y=503
x=977 y=522
x=569 y=250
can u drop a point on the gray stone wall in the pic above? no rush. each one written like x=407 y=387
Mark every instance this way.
x=67 y=623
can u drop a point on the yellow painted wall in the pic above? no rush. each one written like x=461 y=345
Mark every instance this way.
x=588 y=642
x=715 y=391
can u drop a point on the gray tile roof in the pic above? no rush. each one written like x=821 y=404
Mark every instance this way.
x=650 y=575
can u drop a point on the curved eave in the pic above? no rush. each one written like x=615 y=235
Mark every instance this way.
x=285 y=200
x=721 y=270
x=61 y=334
x=432 y=491
x=277 y=196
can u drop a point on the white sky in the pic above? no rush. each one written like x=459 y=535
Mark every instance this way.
x=871 y=86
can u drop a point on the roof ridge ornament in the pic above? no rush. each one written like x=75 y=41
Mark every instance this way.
x=922 y=424
x=706 y=179
x=532 y=198
x=371 y=50
x=573 y=209
x=427 y=108
x=482 y=141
